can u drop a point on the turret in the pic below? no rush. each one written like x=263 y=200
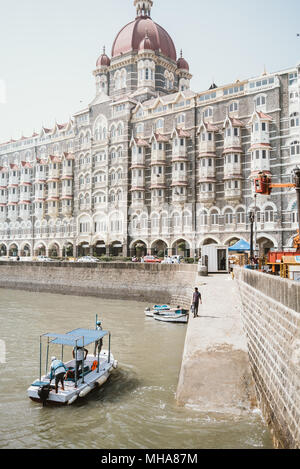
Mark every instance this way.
x=143 y=7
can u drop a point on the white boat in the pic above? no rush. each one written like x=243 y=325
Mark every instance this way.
x=96 y=369
x=176 y=318
x=164 y=312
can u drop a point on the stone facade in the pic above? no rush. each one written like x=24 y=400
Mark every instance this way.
x=271 y=317
x=149 y=163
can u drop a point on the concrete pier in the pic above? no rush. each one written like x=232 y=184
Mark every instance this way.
x=215 y=374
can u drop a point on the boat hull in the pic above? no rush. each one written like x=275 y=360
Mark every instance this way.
x=92 y=380
x=177 y=319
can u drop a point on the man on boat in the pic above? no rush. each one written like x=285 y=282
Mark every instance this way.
x=57 y=371
x=196 y=298
x=79 y=357
x=98 y=343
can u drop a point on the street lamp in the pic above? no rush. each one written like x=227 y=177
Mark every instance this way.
x=252 y=219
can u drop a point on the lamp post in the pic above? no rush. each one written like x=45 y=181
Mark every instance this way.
x=252 y=219
x=296 y=172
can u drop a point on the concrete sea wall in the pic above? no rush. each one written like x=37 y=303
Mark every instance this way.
x=271 y=317
x=215 y=374
x=143 y=282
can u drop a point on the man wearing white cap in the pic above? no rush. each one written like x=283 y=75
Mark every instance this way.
x=57 y=371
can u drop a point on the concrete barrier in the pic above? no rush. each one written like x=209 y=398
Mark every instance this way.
x=271 y=316
x=143 y=282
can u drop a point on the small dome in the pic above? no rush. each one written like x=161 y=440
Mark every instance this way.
x=182 y=63
x=146 y=44
x=104 y=60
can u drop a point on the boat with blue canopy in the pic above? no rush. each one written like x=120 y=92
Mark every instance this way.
x=94 y=370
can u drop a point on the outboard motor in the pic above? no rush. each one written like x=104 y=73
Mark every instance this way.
x=43 y=393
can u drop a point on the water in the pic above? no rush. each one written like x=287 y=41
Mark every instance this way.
x=136 y=408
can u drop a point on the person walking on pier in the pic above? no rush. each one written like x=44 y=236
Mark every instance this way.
x=195 y=305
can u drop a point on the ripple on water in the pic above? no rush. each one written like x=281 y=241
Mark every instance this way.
x=136 y=407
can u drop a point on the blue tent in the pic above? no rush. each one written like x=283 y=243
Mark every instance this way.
x=240 y=246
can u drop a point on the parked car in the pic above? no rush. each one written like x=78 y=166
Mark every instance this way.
x=173 y=260
x=44 y=259
x=152 y=260
x=88 y=259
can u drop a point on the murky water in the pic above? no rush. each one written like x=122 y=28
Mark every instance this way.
x=135 y=408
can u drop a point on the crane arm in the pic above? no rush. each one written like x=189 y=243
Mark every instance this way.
x=274 y=186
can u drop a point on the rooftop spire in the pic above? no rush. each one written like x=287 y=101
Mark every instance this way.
x=143 y=7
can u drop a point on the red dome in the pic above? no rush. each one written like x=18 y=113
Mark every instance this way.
x=182 y=64
x=103 y=61
x=131 y=36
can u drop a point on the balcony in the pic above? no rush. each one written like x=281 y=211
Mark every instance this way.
x=231 y=169
x=67 y=171
x=67 y=188
x=207 y=173
x=13 y=212
x=13 y=197
x=207 y=147
x=3 y=213
x=3 y=197
x=54 y=168
x=13 y=180
x=233 y=190
x=158 y=156
x=24 y=211
x=138 y=182
x=39 y=209
x=137 y=160
x=233 y=194
x=52 y=208
x=179 y=152
x=207 y=193
x=40 y=175
x=179 y=177
x=158 y=180
x=67 y=208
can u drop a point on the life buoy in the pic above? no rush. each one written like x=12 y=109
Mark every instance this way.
x=95 y=365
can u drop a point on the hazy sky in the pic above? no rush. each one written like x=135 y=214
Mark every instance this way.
x=49 y=49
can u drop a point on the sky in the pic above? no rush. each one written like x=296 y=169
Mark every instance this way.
x=48 y=49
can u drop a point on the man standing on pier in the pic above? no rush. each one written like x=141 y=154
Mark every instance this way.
x=196 y=298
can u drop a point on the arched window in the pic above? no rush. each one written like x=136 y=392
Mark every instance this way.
x=100 y=129
x=204 y=218
x=233 y=107
x=294 y=119
x=228 y=217
x=159 y=124
x=155 y=221
x=176 y=220
x=214 y=218
x=240 y=216
x=294 y=213
x=187 y=220
x=269 y=215
x=180 y=119
x=208 y=112
x=260 y=101
x=295 y=148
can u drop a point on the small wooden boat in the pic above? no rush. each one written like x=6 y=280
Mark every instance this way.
x=175 y=318
x=96 y=370
x=162 y=310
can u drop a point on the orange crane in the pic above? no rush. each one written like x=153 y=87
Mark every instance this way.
x=263 y=185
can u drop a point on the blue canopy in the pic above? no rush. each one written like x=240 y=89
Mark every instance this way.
x=240 y=246
x=79 y=337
